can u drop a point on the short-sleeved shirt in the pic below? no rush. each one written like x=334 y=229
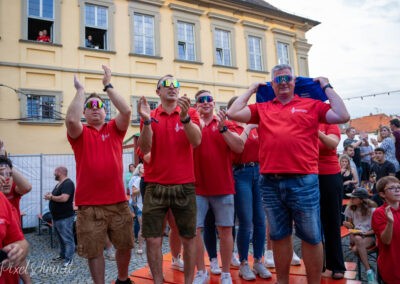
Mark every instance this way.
x=251 y=147
x=382 y=170
x=357 y=153
x=171 y=152
x=14 y=198
x=213 y=162
x=360 y=221
x=389 y=256
x=135 y=182
x=328 y=161
x=10 y=232
x=396 y=135
x=99 y=169
x=62 y=210
x=289 y=134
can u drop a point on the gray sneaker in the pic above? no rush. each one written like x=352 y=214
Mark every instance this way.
x=245 y=272
x=260 y=270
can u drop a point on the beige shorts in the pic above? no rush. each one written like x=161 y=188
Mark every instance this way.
x=94 y=223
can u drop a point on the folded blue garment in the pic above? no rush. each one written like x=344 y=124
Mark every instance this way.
x=305 y=87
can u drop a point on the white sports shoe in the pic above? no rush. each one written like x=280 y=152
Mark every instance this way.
x=235 y=261
x=226 y=278
x=201 y=277
x=261 y=271
x=295 y=259
x=269 y=259
x=177 y=263
x=214 y=266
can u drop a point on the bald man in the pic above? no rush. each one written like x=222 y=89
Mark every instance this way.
x=62 y=211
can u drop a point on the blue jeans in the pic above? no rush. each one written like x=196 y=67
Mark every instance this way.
x=64 y=231
x=249 y=211
x=291 y=199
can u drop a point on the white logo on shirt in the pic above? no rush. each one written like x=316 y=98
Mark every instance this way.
x=177 y=127
x=2 y=221
x=214 y=128
x=105 y=136
x=298 y=110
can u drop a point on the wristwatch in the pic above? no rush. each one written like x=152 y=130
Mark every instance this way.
x=186 y=120
x=147 y=122
x=107 y=86
x=327 y=86
x=223 y=129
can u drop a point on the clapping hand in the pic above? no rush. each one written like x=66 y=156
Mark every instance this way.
x=144 y=108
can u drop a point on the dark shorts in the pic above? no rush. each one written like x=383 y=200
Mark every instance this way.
x=180 y=198
x=93 y=223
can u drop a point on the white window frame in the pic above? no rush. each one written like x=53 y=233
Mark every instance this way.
x=185 y=42
x=151 y=9
x=144 y=36
x=284 y=39
x=108 y=43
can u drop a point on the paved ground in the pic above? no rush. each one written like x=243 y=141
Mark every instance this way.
x=43 y=270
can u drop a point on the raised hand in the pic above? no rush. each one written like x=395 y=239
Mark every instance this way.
x=221 y=118
x=107 y=75
x=389 y=214
x=78 y=85
x=184 y=103
x=144 y=108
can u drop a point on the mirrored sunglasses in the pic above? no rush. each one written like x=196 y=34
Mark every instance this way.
x=167 y=83
x=283 y=79
x=205 y=99
x=94 y=103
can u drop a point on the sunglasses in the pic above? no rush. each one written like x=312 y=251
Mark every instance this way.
x=168 y=82
x=283 y=79
x=94 y=103
x=205 y=99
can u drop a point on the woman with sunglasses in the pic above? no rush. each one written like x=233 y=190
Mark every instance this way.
x=386 y=225
x=386 y=140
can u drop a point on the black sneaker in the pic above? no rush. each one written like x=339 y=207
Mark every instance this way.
x=58 y=258
x=127 y=281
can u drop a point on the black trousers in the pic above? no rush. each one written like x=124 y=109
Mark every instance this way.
x=331 y=195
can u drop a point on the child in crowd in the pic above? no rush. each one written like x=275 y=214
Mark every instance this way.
x=386 y=224
x=358 y=219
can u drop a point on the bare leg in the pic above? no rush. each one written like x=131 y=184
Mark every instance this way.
x=199 y=251
x=226 y=247
x=97 y=267
x=313 y=260
x=174 y=240
x=26 y=278
x=189 y=258
x=123 y=256
x=283 y=252
x=361 y=245
x=154 y=258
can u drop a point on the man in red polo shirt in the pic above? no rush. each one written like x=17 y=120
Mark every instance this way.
x=214 y=182
x=169 y=133
x=288 y=131
x=100 y=193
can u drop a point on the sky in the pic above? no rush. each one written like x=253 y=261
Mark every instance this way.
x=357 y=46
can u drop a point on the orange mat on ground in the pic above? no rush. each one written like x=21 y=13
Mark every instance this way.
x=297 y=275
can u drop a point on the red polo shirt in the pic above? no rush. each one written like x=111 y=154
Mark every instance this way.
x=14 y=198
x=328 y=163
x=99 y=169
x=289 y=134
x=213 y=162
x=10 y=232
x=389 y=256
x=171 y=152
x=251 y=147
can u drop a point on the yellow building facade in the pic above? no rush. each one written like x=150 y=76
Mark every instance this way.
x=222 y=46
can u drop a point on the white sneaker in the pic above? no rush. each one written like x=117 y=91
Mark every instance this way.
x=269 y=259
x=295 y=259
x=177 y=263
x=261 y=271
x=226 y=278
x=245 y=272
x=214 y=266
x=201 y=277
x=235 y=261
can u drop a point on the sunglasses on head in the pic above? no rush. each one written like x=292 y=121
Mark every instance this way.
x=94 y=103
x=205 y=99
x=283 y=79
x=168 y=82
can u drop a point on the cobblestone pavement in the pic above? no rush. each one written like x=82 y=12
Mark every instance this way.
x=43 y=270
